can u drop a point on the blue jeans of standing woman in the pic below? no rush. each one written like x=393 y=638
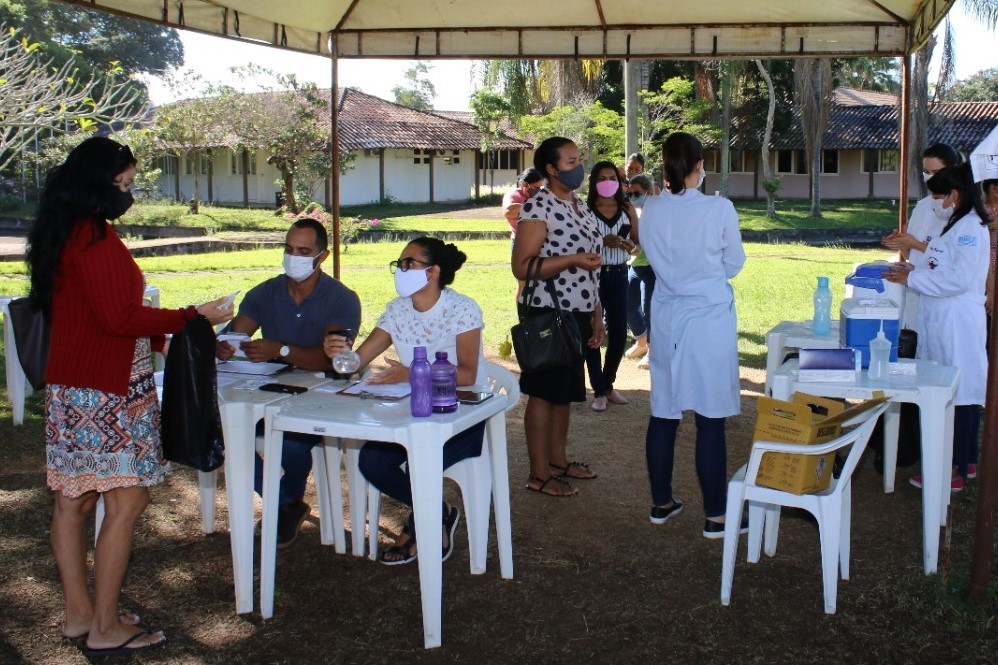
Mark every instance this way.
x=613 y=296
x=711 y=461
x=640 y=286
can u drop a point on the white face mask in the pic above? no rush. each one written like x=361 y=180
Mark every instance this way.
x=942 y=213
x=408 y=282
x=703 y=176
x=299 y=268
x=926 y=176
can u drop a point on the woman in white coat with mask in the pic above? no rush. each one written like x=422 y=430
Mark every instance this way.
x=427 y=314
x=951 y=318
x=922 y=227
x=694 y=246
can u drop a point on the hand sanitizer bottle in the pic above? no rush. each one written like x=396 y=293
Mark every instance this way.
x=880 y=356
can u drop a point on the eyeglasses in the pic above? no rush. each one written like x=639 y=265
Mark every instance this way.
x=405 y=264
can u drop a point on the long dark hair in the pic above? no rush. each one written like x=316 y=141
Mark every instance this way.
x=680 y=153
x=593 y=194
x=547 y=153
x=960 y=178
x=76 y=192
x=445 y=256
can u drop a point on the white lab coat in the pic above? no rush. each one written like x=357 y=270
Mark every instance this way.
x=951 y=320
x=694 y=246
x=924 y=226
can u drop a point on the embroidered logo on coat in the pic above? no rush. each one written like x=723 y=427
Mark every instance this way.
x=967 y=241
x=932 y=263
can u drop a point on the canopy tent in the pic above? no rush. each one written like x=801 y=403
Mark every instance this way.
x=566 y=29
x=513 y=29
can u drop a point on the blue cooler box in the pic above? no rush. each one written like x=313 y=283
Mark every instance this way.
x=859 y=322
x=867 y=281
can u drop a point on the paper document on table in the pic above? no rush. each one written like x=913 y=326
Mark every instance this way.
x=249 y=367
x=381 y=390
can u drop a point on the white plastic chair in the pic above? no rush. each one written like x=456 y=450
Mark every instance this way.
x=474 y=477
x=831 y=507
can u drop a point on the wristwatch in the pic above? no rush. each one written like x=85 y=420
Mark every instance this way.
x=285 y=350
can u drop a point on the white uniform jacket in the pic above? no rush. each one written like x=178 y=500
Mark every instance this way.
x=924 y=226
x=951 y=320
x=694 y=246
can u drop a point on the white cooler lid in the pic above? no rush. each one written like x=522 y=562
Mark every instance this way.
x=870 y=308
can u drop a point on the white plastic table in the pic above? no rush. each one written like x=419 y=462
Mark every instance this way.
x=423 y=438
x=794 y=335
x=241 y=409
x=933 y=389
x=18 y=388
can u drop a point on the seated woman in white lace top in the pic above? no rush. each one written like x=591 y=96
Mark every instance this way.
x=429 y=314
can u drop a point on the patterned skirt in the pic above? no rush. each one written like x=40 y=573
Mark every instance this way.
x=99 y=441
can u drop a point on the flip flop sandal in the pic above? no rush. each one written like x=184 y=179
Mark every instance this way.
x=450 y=526
x=401 y=554
x=124 y=616
x=123 y=648
x=545 y=483
x=564 y=471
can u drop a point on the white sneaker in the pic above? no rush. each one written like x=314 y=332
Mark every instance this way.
x=639 y=350
x=645 y=363
x=599 y=404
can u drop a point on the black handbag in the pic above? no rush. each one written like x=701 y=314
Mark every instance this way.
x=547 y=340
x=32 y=334
x=192 y=425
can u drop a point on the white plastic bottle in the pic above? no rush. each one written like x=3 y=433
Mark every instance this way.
x=880 y=356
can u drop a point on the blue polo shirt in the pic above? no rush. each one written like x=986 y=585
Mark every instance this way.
x=279 y=318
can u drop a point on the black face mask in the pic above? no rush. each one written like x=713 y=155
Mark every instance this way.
x=117 y=203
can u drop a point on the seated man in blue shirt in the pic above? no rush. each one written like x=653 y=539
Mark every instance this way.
x=294 y=312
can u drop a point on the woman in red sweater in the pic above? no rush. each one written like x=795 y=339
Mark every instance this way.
x=102 y=416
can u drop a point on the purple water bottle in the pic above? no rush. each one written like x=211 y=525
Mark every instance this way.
x=444 y=384
x=421 y=382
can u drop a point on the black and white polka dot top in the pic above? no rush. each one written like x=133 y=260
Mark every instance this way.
x=568 y=232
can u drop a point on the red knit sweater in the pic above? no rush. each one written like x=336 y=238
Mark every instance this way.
x=97 y=313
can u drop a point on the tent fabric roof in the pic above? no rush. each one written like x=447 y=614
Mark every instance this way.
x=427 y=29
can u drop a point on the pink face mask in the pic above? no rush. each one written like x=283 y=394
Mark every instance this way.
x=607 y=188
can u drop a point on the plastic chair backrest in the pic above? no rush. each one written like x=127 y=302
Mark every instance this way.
x=502 y=378
x=867 y=420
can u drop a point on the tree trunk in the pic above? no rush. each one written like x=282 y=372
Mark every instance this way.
x=196 y=200
x=767 y=170
x=289 y=192
x=919 y=119
x=726 y=76
x=813 y=88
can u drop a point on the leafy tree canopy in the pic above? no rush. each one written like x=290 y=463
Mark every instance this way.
x=980 y=87
x=418 y=92
x=96 y=38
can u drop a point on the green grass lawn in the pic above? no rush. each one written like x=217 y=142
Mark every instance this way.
x=776 y=284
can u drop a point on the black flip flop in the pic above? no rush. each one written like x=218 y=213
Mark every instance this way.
x=123 y=648
x=450 y=526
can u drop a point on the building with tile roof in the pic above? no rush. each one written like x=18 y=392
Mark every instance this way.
x=860 y=147
x=401 y=154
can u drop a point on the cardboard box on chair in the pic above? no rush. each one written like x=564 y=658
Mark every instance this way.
x=804 y=419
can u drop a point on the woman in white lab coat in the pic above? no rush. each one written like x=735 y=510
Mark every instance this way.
x=951 y=318
x=923 y=225
x=694 y=246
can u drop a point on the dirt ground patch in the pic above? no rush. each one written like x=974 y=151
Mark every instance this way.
x=594 y=580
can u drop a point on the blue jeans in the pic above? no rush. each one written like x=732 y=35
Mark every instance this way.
x=966 y=422
x=381 y=462
x=296 y=460
x=613 y=296
x=640 y=286
x=711 y=461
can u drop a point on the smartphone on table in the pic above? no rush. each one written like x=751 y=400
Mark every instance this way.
x=472 y=396
x=283 y=388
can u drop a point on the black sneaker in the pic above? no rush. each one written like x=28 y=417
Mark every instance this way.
x=715 y=530
x=289 y=520
x=659 y=515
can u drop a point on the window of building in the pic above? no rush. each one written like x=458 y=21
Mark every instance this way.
x=791 y=161
x=453 y=158
x=422 y=156
x=237 y=162
x=880 y=161
x=830 y=161
x=167 y=164
x=711 y=159
x=741 y=161
x=501 y=159
x=191 y=160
